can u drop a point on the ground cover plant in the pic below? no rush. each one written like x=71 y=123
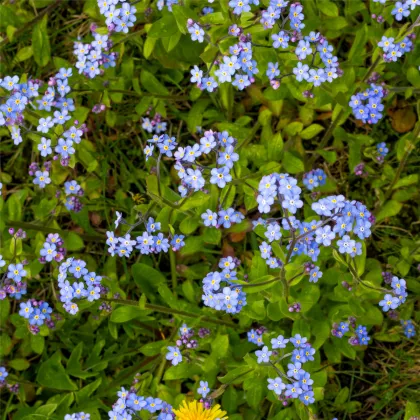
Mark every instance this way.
x=209 y=209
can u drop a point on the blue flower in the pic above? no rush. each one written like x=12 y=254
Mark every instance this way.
x=45 y=147
x=135 y=402
x=197 y=33
x=400 y=10
x=65 y=148
x=293 y=390
x=273 y=232
x=208 y=83
x=305 y=381
x=16 y=272
x=295 y=370
x=299 y=341
x=209 y=218
x=196 y=75
x=174 y=355
x=292 y=203
x=273 y=70
x=204 y=389
x=26 y=309
x=48 y=252
x=240 y=6
x=307 y=397
x=263 y=355
x=317 y=76
x=265 y=251
x=276 y=385
x=389 y=302
x=241 y=81
x=3 y=371
x=153 y=404
x=160 y=243
x=281 y=40
x=36 y=317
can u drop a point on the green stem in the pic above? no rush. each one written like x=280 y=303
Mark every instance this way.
x=172 y=311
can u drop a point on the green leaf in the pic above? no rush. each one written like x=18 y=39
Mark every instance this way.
x=328 y=8
x=23 y=54
x=413 y=76
x=236 y=375
x=144 y=274
x=151 y=84
x=220 y=346
x=163 y=28
x=275 y=147
x=151 y=349
x=41 y=43
x=19 y=364
x=389 y=209
x=311 y=131
x=51 y=374
x=292 y=163
x=126 y=313
x=182 y=371
x=73 y=242
x=411 y=410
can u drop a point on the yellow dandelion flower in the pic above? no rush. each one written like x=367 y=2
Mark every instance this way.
x=195 y=411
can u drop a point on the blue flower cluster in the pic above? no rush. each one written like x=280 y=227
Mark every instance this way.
x=52 y=249
x=15 y=274
x=393 y=51
x=398 y=296
x=224 y=218
x=229 y=298
x=409 y=329
x=240 y=68
x=37 y=313
x=91 y=56
x=341 y=217
x=360 y=335
x=367 y=105
x=117 y=19
x=314 y=178
x=77 y=416
x=89 y=289
x=146 y=243
x=129 y=404
x=256 y=336
x=184 y=341
x=155 y=125
x=73 y=191
x=191 y=172
x=296 y=383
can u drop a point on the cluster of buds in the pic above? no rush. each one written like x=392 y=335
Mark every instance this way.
x=203 y=332
x=295 y=307
x=185 y=339
x=387 y=276
x=98 y=108
x=308 y=267
x=359 y=170
x=378 y=18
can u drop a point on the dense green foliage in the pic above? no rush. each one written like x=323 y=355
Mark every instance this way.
x=81 y=363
